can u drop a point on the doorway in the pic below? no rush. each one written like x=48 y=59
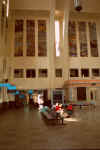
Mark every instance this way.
x=45 y=95
x=91 y=95
x=57 y=96
x=81 y=93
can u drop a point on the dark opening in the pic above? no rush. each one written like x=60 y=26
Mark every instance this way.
x=96 y=72
x=45 y=94
x=30 y=73
x=73 y=72
x=85 y=72
x=91 y=95
x=58 y=72
x=81 y=93
x=43 y=72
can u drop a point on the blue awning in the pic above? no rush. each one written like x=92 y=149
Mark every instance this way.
x=11 y=87
x=8 y=86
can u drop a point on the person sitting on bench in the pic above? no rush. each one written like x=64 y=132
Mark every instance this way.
x=59 y=112
x=70 y=109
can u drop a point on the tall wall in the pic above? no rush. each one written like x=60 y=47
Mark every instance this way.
x=31 y=4
x=48 y=8
x=88 y=5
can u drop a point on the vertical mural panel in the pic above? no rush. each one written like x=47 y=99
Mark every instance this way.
x=42 y=38
x=72 y=39
x=83 y=39
x=30 y=25
x=19 y=38
x=93 y=39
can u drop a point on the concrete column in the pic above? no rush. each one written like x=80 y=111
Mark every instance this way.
x=61 y=36
x=90 y=71
x=88 y=40
x=75 y=94
x=65 y=56
x=0 y=19
x=36 y=38
x=77 y=40
x=80 y=72
x=11 y=30
x=88 y=94
x=49 y=94
x=24 y=73
x=10 y=45
x=51 y=52
x=98 y=35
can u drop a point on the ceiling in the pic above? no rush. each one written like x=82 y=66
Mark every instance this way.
x=91 y=6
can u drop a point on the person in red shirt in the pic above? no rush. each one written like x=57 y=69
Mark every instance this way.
x=70 y=109
x=57 y=107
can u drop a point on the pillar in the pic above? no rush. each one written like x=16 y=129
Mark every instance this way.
x=51 y=53
x=65 y=57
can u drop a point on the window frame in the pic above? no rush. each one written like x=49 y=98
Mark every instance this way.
x=39 y=73
x=60 y=74
x=18 y=69
x=75 y=69
x=85 y=75
x=31 y=75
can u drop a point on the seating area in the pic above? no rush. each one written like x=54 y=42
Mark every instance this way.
x=25 y=129
x=51 y=116
x=57 y=115
x=80 y=104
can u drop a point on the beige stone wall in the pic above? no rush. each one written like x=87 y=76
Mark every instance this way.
x=46 y=9
x=88 y=5
x=34 y=5
x=60 y=62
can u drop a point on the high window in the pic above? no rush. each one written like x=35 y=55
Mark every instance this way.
x=85 y=72
x=74 y=73
x=7 y=13
x=18 y=73
x=30 y=37
x=3 y=16
x=57 y=38
x=83 y=39
x=93 y=40
x=42 y=38
x=18 y=38
x=58 y=73
x=72 y=39
x=78 y=30
x=30 y=73
x=43 y=72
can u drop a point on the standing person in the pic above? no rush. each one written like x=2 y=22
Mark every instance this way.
x=93 y=103
x=27 y=98
x=40 y=101
x=57 y=107
x=35 y=98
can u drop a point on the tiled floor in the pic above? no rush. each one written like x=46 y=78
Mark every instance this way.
x=24 y=129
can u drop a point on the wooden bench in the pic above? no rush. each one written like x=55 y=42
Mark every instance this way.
x=52 y=117
x=81 y=104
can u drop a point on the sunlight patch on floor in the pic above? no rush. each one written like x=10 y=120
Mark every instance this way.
x=71 y=119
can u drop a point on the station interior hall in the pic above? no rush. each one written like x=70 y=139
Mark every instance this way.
x=49 y=74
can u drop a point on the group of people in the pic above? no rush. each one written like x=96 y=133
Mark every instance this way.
x=26 y=98
x=63 y=111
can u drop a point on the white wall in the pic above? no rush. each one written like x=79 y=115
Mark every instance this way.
x=88 y=5
x=36 y=62
x=30 y=4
